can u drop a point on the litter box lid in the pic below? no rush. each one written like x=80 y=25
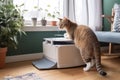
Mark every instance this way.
x=59 y=41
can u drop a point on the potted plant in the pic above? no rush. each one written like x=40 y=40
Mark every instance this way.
x=43 y=21
x=43 y=15
x=54 y=14
x=11 y=23
x=34 y=15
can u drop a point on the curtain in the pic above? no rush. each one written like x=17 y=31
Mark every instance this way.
x=69 y=9
x=86 y=12
x=95 y=12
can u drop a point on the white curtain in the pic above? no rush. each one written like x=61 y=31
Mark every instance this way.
x=86 y=12
x=69 y=9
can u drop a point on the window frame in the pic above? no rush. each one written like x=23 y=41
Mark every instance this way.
x=28 y=25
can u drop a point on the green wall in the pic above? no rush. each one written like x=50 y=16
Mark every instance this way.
x=107 y=8
x=32 y=42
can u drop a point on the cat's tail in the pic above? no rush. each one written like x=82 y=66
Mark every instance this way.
x=98 y=60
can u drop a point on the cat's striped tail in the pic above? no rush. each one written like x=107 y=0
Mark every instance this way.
x=98 y=60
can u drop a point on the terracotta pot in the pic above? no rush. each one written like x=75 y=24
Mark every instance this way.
x=53 y=23
x=2 y=56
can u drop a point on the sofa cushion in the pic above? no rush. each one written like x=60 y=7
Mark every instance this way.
x=108 y=36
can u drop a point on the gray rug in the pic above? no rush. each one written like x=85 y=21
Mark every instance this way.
x=28 y=76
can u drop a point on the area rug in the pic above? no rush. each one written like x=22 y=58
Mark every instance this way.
x=28 y=76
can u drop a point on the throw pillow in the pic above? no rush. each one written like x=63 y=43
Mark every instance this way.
x=116 y=23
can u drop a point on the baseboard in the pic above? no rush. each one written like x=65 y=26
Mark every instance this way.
x=23 y=57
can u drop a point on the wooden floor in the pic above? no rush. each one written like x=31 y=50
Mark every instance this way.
x=110 y=64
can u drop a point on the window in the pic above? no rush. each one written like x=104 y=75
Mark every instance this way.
x=36 y=8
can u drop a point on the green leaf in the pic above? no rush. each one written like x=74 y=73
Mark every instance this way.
x=11 y=23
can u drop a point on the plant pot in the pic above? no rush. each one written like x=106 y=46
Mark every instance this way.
x=2 y=56
x=43 y=22
x=53 y=23
x=34 y=21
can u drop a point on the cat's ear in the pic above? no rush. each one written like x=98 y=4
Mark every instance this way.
x=66 y=20
x=60 y=19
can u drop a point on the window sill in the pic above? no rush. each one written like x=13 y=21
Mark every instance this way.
x=41 y=28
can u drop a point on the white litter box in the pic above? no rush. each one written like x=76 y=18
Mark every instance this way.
x=59 y=53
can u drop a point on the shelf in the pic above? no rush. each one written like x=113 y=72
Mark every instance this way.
x=41 y=28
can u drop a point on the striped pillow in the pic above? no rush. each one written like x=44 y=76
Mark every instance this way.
x=116 y=23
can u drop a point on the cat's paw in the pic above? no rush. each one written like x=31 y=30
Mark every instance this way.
x=66 y=36
x=86 y=69
x=88 y=66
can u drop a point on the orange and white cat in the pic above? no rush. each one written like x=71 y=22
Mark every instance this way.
x=86 y=41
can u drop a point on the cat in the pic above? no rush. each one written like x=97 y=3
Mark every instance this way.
x=86 y=41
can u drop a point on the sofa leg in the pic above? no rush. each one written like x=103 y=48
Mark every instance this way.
x=110 y=48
